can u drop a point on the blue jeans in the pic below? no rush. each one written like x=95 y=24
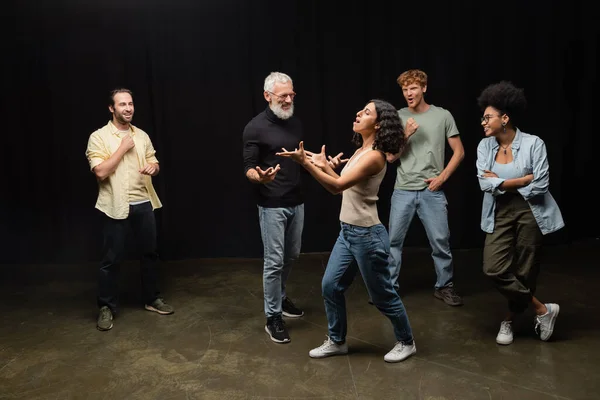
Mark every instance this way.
x=281 y=231
x=431 y=207
x=366 y=250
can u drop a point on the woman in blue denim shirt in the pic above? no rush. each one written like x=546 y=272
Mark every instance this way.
x=363 y=243
x=518 y=209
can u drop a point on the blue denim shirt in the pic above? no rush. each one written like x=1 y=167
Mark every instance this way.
x=530 y=157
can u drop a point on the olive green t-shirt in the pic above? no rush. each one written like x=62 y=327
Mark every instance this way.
x=424 y=156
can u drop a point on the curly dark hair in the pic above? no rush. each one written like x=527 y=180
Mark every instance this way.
x=505 y=97
x=390 y=136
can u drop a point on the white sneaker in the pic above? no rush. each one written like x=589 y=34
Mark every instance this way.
x=329 y=348
x=505 y=334
x=400 y=352
x=544 y=324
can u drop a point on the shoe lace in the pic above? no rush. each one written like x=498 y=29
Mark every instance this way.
x=538 y=324
x=398 y=347
x=279 y=324
x=327 y=344
x=105 y=313
x=452 y=293
x=505 y=328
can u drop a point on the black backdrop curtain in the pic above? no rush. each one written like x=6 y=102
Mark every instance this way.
x=197 y=68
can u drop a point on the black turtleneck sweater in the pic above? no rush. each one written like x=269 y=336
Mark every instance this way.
x=265 y=135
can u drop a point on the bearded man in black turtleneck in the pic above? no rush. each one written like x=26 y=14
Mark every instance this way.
x=279 y=194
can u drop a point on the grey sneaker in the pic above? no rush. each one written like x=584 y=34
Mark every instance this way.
x=448 y=295
x=400 y=352
x=159 y=306
x=544 y=324
x=329 y=348
x=505 y=334
x=105 y=318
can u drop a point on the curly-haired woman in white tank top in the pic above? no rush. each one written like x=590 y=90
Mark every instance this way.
x=363 y=243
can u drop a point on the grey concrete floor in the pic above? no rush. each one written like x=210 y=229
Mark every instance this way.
x=215 y=347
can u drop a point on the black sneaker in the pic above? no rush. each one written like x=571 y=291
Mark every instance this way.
x=448 y=295
x=290 y=310
x=105 y=318
x=275 y=327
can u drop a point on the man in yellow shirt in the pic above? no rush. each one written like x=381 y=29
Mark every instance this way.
x=123 y=159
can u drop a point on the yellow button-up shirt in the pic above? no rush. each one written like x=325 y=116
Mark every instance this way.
x=114 y=191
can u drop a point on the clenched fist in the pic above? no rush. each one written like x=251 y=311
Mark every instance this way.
x=411 y=127
x=127 y=143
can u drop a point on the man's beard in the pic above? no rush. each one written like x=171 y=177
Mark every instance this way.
x=280 y=112
x=121 y=118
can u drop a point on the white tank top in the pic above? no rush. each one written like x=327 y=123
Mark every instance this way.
x=359 y=203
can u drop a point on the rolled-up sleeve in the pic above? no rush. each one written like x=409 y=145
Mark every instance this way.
x=541 y=171
x=96 y=152
x=150 y=152
x=489 y=185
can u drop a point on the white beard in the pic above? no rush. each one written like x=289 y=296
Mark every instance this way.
x=280 y=112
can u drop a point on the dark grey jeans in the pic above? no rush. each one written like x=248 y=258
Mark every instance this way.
x=142 y=223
